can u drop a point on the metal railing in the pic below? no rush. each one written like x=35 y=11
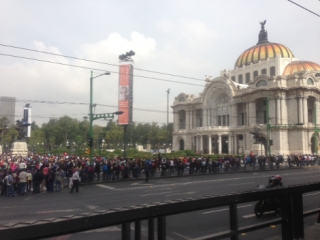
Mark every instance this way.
x=291 y=221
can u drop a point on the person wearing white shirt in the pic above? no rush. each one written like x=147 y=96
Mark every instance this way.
x=75 y=180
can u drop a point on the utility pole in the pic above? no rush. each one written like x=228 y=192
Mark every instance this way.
x=168 y=92
x=315 y=136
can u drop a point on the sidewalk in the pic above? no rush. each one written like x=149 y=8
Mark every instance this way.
x=311 y=232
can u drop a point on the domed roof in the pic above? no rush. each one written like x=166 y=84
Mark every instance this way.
x=298 y=66
x=263 y=50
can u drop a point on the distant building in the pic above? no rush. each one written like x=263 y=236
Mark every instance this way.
x=7 y=108
x=269 y=89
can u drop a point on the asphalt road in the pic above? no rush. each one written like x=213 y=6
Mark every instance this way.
x=185 y=226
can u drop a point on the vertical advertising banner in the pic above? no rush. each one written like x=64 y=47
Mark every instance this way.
x=27 y=119
x=125 y=93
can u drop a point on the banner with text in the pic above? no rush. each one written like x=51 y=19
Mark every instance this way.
x=125 y=93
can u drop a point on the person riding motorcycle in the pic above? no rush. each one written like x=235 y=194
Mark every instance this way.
x=270 y=204
x=275 y=181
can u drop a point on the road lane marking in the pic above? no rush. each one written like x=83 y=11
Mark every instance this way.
x=311 y=194
x=104 y=186
x=189 y=193
x=144 y=195
x=249 y=216
x=61 y=210
x=182 y=236
x=225 y=209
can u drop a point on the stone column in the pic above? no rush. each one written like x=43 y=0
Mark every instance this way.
x=187 y=120
x=201 y=143
x=300 y=110
x=175 y=122
x=219 y=144
x=229 y=144
x=278 y=111
x=247 y=114
x=305 y=110
x=210 y=144
x=252 y=113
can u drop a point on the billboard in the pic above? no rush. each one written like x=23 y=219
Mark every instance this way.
x=125 y=93
x=27 y=119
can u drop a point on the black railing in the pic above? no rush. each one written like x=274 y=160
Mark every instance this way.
x=291 y=220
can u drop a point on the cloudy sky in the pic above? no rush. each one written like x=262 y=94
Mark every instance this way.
x=189 y=38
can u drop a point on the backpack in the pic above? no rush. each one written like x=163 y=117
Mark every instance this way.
x=105 y=168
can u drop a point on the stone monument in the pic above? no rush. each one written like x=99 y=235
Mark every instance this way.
x=257 y=147
x=20 y=147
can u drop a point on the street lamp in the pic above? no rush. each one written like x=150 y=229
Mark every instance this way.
x=93 y=117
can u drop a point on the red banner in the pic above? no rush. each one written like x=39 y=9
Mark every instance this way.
x=125 y=93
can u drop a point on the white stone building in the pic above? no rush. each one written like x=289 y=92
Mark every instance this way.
x=268 y=89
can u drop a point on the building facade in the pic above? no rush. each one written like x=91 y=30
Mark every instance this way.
x=269 y=91
x=7 y=109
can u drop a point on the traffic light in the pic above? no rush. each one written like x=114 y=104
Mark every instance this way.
x=271 y=142
x=88 y=151
x=90 y=142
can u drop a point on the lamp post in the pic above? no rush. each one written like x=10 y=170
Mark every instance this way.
x=68 y=147
x=168 y=92
x=93 y=117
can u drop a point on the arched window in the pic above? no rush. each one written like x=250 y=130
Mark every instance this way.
x=264 y=71
x=255 y=74
x=247 y=77
x=310 y=81
x=233 y=78
x=272 y=71
x=240 y=78
x=261 y=83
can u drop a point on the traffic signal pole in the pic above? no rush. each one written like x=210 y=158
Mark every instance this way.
x=91 y=118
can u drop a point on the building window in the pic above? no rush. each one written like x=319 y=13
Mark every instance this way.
x=233 y=78
x=255 y=74
x=272 y=71
x=240 y=78
x=261 y=83
x=264 y=71
x=224 y=120
x=264 y=116
x=310 y=81
x=219 y=120
x=247 y=77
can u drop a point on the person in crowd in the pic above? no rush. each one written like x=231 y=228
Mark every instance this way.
x=8 y=180
x=22 y=181
x=75 y=180
x=38 y=177
x=58 y=180
x=29 y=181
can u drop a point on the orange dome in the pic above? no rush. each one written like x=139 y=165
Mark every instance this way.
x=298 y=66
x=262 y=52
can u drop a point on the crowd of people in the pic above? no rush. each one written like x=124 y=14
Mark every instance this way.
x=36 y=173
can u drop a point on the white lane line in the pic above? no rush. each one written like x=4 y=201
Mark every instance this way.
x=104 y=186
x=92 y=207
x=311 y=194
x=249 y=216
x=154 y=194
x=239 y=184
x=188 y=193
x=61 y=210
x=182 y=236
x=225 y=209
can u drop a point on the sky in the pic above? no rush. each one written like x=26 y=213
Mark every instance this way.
x=189 y=38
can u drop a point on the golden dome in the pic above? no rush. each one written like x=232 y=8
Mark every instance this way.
x=298 y=66
x=262 y=52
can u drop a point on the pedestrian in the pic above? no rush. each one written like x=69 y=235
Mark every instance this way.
x=22 y=181
x=75 y=180
x=146 y=171
x=9 y=181
x=58 y=180
x=38 y=178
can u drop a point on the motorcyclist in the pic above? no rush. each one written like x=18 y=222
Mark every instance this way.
x=275 y=181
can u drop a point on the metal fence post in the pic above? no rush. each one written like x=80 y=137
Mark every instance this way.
x=137 y=230
x=125 y=230
x=286 y=215
x=151 y=228
x=298 y=222
x=162 y=228
x=233 y=215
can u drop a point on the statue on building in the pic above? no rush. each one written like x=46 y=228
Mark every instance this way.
x=263 y=35
x=22 y=128
x=256 y=135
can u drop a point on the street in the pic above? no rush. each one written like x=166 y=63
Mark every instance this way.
x=185 y=226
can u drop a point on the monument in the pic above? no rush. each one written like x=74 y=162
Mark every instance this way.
x=257 y=147
x=20 y=147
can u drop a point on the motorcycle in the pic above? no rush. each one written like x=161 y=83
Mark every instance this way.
x=270 y=204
